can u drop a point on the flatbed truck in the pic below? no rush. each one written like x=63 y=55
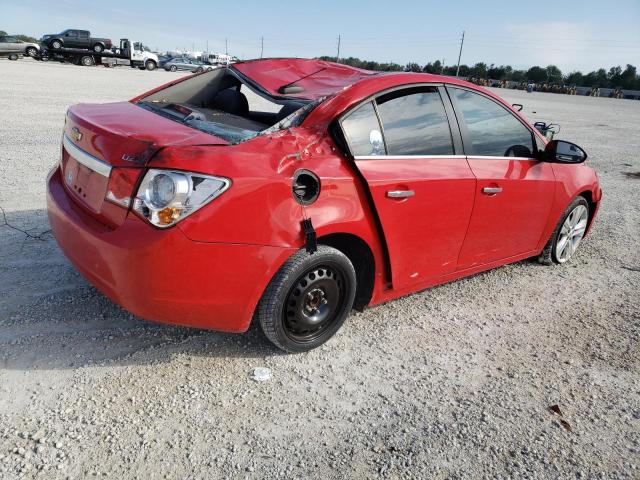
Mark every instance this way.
x=129 y=53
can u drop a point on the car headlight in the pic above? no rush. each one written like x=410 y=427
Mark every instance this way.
x=167 y=196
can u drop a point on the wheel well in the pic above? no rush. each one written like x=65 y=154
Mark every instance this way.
x=363 y=262
x=588 y=196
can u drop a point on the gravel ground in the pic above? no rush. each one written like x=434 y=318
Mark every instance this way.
x=452 y=382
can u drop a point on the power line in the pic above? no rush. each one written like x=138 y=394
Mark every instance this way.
x=460 y=54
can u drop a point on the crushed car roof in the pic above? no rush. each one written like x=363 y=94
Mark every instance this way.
x=307 y=79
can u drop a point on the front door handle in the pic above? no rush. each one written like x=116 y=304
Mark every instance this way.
x=400 y=193
x=491 y=190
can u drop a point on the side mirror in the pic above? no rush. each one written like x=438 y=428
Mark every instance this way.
x=559 y=151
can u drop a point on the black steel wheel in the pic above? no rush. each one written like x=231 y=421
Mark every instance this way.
x=308 y=299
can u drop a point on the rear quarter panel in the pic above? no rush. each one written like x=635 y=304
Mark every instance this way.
x=259 y=208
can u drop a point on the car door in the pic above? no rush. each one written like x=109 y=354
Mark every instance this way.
x=421 y=185
x=10 y=44
x=83 y=40
x=515 y=190
x=4 y=44
x=71 y=39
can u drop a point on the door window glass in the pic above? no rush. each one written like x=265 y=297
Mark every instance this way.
x=415 y=122
x=493 y=130
x=362 y=131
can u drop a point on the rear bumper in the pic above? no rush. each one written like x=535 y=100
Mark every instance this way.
x=161 y=275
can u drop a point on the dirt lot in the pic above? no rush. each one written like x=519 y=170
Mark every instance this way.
x=453 y=382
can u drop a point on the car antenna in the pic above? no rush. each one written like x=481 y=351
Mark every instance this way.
x=288 y=87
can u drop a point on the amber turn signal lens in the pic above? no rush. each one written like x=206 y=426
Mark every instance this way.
x=167 y=216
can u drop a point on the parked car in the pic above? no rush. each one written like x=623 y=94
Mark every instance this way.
x=10 y=44
x=162 y=59
x=176 y=64
x=204 y=66
x=72 y=38
x=195 y=204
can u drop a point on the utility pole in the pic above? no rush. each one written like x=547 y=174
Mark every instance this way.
x=338 y=54
x=261 y=46
x=207 y=47
x=460 y=54
x=226 y=49
x=442 y=67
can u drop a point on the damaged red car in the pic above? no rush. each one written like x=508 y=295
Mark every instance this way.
x=291 y=191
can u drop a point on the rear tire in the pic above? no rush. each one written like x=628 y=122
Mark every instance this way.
x=568 y=234
x=87 y=61
x=98 y=48
x=308 y=299
x=13 y=56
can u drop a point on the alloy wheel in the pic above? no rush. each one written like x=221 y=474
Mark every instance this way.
x=571 y=233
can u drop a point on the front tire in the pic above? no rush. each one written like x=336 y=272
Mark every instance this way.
x=56 y=45
x=31 y=51
x=308 y=299
x=150 y=65
x=568 y=234
x=173 y=68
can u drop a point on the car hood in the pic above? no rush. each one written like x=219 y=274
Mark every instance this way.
x=316 y=78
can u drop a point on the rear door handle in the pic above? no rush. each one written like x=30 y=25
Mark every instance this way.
x=400 y=193
x=491 y=190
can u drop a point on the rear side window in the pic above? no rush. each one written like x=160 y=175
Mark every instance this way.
x=362 y=131
x=415 y=123
x=493 y=131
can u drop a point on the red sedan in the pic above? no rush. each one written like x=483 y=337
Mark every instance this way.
x=291 y=191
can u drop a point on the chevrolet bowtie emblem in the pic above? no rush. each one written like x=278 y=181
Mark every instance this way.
x=76 y=134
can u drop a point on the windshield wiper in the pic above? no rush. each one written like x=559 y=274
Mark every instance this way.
x=289 y=88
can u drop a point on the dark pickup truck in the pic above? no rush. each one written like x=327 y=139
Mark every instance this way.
x=72 y=38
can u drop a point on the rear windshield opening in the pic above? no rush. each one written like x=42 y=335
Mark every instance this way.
x=221 y=104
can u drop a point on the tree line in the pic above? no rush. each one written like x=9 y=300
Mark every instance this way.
x=615 y=77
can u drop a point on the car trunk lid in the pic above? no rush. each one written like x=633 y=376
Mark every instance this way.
x=105 y=148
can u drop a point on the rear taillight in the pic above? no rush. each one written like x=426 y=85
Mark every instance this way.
x=122 y=184
x=167 y=196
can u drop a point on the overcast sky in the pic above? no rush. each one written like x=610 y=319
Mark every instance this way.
x=573 y=35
